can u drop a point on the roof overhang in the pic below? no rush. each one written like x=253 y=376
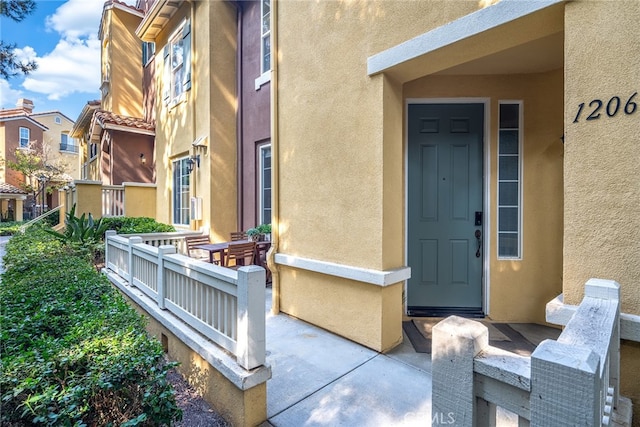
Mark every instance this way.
x=511 y=36
x=24 y=117
x=156 y=19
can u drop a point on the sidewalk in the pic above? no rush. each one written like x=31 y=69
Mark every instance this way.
x=320 y=379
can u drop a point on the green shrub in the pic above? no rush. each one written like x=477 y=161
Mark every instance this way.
x=10 y=228
x=131 y=225
x=72 y=351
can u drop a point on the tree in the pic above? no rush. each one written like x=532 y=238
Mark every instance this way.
x=10 y=65
x=42 y=171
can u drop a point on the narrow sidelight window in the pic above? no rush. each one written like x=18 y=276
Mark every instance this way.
x=265 y=63
x=181 y=183
x=264 y=208
x=510 y=180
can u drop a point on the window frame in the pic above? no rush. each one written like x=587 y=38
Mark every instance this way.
x=265 y=37
x=21 y=138
x=148 y=52
x=262 y=189
x=180 y=215
x=182 y=35
x=501 y=207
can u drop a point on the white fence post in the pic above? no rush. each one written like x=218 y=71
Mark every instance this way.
x=162 y=251
x=456 y=341
x=564 y=385
x=108 y=234
x=251 y=341
x=132 y=241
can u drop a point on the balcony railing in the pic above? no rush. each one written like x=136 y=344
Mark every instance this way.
x=68 y=148
x=571 y=381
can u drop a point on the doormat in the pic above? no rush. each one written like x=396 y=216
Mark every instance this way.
x=501 y=335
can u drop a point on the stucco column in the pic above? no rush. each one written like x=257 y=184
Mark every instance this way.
x=19 y=208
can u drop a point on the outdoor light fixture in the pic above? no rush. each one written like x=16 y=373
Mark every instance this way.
x=143 y=159
x=192 y=162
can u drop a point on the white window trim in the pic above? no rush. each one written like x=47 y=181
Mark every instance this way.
x=182 y=97
x=20 y=137
x=262 y=147
x=520 y=183
x=263 y=79
x=263 y=36
x=173 y=194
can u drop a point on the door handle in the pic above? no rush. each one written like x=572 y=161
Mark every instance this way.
x=478 y=238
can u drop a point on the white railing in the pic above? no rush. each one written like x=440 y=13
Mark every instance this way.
x=28 y=224
x=224 y=305
x=571 y=381
x=112 y=200
x=173 y=238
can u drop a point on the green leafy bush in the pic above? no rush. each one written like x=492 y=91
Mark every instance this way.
x=72 y=351
x=10 y=228
x=131 y=225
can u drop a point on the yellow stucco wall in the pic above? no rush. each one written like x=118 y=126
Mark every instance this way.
x=208 y=112
x=123 y=53
x=140 y=200
x=89 y=198
x=341 y=153
x=602 y=188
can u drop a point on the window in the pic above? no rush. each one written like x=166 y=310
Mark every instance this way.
x=181 y=184
x=265 y=63
x=177 y=65
x=264 y=205
x=64 y=140
x=93 y=150
x=509 y=181
x=57 y=120
x=25 y=135
x=148 y=50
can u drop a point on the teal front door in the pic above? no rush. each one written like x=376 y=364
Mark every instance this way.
x=445 y=201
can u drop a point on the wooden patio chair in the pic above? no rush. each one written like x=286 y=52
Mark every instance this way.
x=238 y=235
x=240 y=254
x=192 y=252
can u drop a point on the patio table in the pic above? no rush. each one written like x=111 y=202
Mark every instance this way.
x=221 y=248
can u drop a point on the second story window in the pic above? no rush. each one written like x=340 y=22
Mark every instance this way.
x=25 y=134
x=58 y=120
x=177 y=65
x=148 y=50
x=265 y=62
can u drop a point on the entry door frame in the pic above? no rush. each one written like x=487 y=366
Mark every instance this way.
x=486 y=188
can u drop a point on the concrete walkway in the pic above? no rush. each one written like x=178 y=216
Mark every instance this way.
x=320 y=379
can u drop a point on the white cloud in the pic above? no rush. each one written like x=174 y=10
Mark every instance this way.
x=8 y=96
x=72 y=67
x=76 y=19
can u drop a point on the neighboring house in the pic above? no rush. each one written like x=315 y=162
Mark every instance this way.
x=46 y=132
x=206 y=73
x=117 y=143
x=444 y=158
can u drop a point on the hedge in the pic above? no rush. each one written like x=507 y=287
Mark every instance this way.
x=72 y=351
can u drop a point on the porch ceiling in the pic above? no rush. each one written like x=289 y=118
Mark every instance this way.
x=509 y=37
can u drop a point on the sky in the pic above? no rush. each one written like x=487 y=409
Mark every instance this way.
x=62 y=36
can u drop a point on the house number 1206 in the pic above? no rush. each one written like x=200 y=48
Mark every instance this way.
x=611 y=108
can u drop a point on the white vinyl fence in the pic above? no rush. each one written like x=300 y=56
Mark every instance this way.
x=571 y=381
x=224 y=305
x=112 y=200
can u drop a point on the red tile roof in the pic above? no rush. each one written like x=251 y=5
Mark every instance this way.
x=10 y=189
x=105 y=118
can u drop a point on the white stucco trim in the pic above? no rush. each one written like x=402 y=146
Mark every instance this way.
x=559 y=313
x=263 y=79
x=468 y=26
x=374 y=277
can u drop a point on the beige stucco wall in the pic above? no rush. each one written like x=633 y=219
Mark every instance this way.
x=52 y=139
x=208 y=112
